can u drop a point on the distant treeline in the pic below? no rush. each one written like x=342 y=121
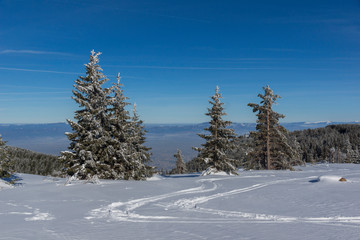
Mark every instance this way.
x=333 y=144
x=26 y=161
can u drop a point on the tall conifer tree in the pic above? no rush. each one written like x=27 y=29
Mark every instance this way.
x=271 y=149
x=119 y=131
x=219 y=141
x=90 y=154
x=140 y=155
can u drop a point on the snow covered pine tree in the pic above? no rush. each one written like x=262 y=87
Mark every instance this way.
x=119 y=128
x=105 y=143
x=90 y=154
x=180 y=164
x=127 y=139
x=271 y=149
x=6 y=164
x=140 y=155
x=219 y=141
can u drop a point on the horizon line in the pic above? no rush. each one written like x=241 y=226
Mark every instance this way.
x=304 y=122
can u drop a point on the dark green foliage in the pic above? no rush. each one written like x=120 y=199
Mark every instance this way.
x=196 y=165
x=271 y=148
x=180 y=164
x=241 y=150
x=219 y=141
x=6 y=163
x=334 y=144
x=26 y=161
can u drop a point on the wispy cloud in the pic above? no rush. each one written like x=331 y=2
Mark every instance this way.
x=9 y=51
x=60 y=72
x=249 y=60
x=33 y=93
x=29 y=99
x=30 y=87
x=196 y=68
x=37 y=70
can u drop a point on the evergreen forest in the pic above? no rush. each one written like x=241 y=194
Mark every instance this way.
x=108 y=141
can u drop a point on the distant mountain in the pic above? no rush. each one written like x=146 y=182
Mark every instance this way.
x=164 y=139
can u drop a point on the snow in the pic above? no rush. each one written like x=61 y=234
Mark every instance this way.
x=213 y=171
x=306 y=204
x=330 y=179
x=155 y=177
x=4 y=185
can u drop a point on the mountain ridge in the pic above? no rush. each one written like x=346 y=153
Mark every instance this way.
x=164 y=139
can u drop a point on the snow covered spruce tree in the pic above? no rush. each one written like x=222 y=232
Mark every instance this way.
x=219 y=141
x=119 y=131
x=180 y=164
x=140 y=155
x=127 y=138
x=6 y=164
x=271 y=148
x=91 y=153
x=106 y=142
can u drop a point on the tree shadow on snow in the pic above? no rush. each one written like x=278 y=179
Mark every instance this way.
x=315 y=180
x=13 y=179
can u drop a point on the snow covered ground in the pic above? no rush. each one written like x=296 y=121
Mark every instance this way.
x=307 y=204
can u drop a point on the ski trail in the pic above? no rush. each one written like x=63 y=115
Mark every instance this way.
x=34 y=214
x=192 y=205
x=268 y=218
x=123 y=211
x=189 y=203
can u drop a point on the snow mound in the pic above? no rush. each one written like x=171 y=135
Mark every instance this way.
x=213 y=171
x=4 y=185
x=155 y=177
x=330 y=179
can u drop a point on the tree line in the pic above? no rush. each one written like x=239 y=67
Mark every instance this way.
x=270 y=147
x=108 y=142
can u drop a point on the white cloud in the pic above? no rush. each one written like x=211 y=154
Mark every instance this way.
x=195 y=68
x=36 y=70
x=9 y=51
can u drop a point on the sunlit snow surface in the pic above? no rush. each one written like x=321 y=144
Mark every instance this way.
x=307 y=204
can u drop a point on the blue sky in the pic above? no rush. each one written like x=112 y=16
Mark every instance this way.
x=173 y=54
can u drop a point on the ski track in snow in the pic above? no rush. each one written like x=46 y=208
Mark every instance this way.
x=125 y=211
x=34 y=214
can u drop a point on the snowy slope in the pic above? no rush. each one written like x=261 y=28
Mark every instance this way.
x=307 y=204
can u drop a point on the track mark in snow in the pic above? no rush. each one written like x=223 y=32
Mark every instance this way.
x=123 y=211
x=37 y=215
x=20 y=213
x=190 y=203
x=192 y=235
x=268 y=218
